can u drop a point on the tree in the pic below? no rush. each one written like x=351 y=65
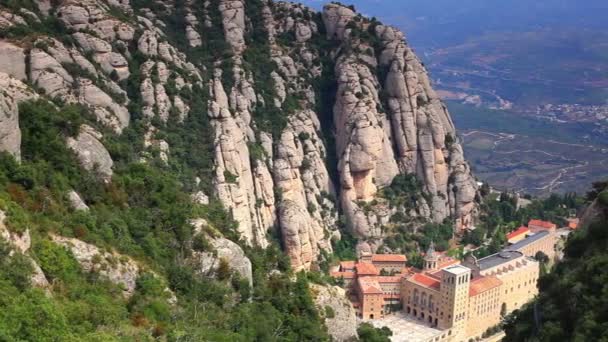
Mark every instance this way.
x=368 y=333
x=223 y=271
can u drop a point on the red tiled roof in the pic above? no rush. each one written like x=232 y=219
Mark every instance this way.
x=573 y=223
x=345 y=275
x=369 y=286
x=448 y=261
x=426 y=281
x=521 y=230
x=364 y=269
x=541 y=223
x=483 y=284
x=347 y=265
x=389 y=258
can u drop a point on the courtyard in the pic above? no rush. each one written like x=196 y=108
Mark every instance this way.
x=406 y=329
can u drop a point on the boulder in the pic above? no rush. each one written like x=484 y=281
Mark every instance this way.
x=336 y=17
x=22 y=242
x=119 y=269
x=200 y=198
x=76 y=202
x=12 y=60
x=207 y=262
x=91 y=153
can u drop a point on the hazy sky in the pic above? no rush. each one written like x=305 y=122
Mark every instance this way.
x=435 y=23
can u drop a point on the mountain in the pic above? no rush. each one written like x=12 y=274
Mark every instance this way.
x=263 y=83
x=505 y=65
x=161 y=158
x=572 y=302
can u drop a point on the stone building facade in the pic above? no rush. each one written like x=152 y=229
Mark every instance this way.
x=466 y=299
x=463 y=300
x=539 y=236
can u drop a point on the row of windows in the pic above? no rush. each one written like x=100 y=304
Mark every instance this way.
x=461 y=279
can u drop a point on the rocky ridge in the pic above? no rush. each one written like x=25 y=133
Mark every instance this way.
x=257 y=70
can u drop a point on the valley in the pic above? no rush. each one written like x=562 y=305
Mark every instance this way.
x=530 y=155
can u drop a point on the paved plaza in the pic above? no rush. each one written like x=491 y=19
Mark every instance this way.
x=406 y=329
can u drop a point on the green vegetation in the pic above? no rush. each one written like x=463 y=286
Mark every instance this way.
x=572 y=302
x=144 y=213
x=367 y=333
x=405 y=191
x=501 y=216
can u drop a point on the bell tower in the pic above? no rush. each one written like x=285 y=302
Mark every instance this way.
x=455 y=282
x=431 y=258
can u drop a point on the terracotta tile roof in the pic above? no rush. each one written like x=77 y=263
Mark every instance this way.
x=541 y=223
x=434 y=274
x=365 y=269
x=483 y=284
x=406 y=271
x=426 y=281
x=369 y=286
x=345 y=275
x=347 y=265
x=573 y=223
x=519 y=231
x=448 y=261
x=388 y=279
x=389 y=258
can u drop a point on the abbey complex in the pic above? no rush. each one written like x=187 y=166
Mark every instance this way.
x=461 y=299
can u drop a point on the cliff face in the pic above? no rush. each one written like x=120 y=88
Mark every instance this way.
x=390 y=121
x=309 y=115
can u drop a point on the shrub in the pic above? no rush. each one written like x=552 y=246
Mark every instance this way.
x=329 y=312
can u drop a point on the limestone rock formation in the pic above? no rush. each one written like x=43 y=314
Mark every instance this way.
x=310 y=116
x=12 y=91
x=76 y=201
x=22 y=242
x=343 y=325
x=403 y=130
x=91 y=153
x=12 y=60
x=223 y=249
x=118 y=269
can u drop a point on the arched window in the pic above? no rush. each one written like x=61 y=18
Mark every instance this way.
x=416 y=299
x=423 y=304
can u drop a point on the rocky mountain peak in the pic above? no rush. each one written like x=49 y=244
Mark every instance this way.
x=306 y=117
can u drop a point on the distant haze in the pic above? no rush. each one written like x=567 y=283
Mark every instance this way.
x=436 y=23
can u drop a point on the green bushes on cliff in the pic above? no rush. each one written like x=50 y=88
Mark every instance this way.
x=144 y=213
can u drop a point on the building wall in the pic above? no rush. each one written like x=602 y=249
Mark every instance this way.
x=390 y=267
x=421 y=302
x=545 y=245
x=484 y=312
x=519 y=278
x=455 y=292
x=372 y=306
